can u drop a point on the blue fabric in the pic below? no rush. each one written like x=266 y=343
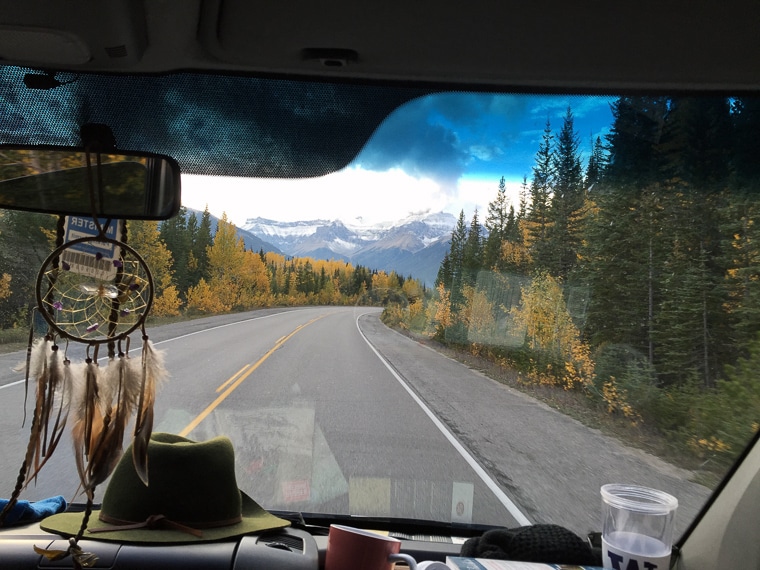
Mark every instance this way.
x=25 y=512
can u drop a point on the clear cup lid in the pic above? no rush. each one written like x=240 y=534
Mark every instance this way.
x=638 y=499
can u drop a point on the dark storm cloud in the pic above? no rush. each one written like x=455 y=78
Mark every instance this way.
x=408 y=141
x=440 y=135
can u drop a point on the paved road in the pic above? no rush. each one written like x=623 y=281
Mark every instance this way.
x=331 y=411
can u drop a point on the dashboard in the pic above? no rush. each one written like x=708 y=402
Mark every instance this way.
x=284 y=549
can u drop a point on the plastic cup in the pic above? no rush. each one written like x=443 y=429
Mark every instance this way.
x=637 y=527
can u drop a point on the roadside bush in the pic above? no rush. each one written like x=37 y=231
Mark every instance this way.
x=393 y=316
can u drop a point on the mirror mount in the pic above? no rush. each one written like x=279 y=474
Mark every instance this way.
x=97 y=137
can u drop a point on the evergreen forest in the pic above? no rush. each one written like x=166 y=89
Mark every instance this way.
x=631 y=276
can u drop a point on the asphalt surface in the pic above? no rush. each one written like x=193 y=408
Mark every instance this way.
x=330 y=411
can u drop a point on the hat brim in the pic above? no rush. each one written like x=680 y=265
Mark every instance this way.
x=255 y=519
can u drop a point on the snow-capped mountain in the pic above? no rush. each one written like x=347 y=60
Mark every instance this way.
x=415 y=245
x=251 y=242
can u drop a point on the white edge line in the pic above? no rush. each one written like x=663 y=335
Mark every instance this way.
x=219 y=327
x=485 y=477
x=17 y=382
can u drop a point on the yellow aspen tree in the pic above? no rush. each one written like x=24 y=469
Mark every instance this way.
x=550 y=332
x=203 y=299
x=226 y=258
x=5 y=286
x=442 y=308
x=144 y=237
x=477 y=315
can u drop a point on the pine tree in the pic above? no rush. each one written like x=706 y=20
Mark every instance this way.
x=596 y=164
x=695 y=165
x=538 y=220
x=451 y=279
x=202 y=241
x=567 y=201
x=456 y=255
x=444 y=276
x=524 y=191
x=24 y=245
x=472 y=254
x=623 y=246
x=633 y=141
x=497 y=222
x=174 y=233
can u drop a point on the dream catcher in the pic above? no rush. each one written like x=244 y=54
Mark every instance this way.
x=97 y=291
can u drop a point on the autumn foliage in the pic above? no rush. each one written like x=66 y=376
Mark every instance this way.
x=633 y=283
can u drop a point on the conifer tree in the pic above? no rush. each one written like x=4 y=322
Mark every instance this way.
x=456 y=257
x=623 y=246
x=201 y=242
x=145 y=238
x=174 y=233
x=695 y=167
x=496 y=223
x=596 y=164
x=524 y=191
x=567 y=200
x=444 y=276
x=472 y=254
x=538 y=219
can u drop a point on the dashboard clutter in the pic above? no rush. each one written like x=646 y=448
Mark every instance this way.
x=192 y=497
x=357 y=549
x=637 y=526
x=546 y=543
x=24 y=512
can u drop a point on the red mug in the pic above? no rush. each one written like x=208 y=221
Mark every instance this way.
x=356 y=549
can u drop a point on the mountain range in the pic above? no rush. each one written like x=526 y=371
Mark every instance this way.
x=413 y=246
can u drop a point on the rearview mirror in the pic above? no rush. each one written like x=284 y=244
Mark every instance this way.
x=131 y=185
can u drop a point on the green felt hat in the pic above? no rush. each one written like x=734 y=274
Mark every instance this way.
x=192 y=496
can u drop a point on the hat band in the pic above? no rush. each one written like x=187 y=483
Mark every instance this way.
x=160 y=522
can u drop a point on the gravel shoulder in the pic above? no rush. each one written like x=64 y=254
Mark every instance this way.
x=550 y=464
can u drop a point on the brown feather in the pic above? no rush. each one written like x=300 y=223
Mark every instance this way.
x=153 y=373
x=88 y=420
x=60 y=384
x=117 y=407
x=38 y=369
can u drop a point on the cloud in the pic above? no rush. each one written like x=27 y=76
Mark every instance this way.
x=438 y=136
x=446 y=136
x=485 y=153
x=410 y=142
x=554 y=108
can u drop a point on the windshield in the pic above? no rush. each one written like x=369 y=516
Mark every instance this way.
x=503 y=303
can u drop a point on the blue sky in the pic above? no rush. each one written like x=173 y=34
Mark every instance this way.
x=443 y=152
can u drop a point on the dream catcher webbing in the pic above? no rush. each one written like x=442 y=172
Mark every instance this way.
x=97 y=291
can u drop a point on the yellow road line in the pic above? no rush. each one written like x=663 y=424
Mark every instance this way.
x=231 y=378
x=223 y=396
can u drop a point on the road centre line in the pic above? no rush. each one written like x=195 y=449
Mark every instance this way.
x=231 y=378
x=220 y=327
x=484 y=476
x=22 y=381
x=231 y=388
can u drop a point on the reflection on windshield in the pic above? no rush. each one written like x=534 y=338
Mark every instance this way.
x=611 y=276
